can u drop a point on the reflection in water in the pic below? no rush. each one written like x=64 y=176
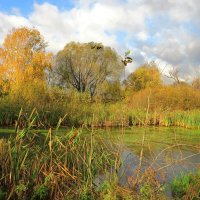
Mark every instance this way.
x=168 y=165
x=170 y=152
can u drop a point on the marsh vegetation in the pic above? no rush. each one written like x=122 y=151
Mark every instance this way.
x=73 y=128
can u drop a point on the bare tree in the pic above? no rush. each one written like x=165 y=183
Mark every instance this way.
x=196 y=83
x=174 y=74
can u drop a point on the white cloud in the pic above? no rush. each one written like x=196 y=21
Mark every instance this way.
x=164 y=37
x=142 y=35
x=8 y=22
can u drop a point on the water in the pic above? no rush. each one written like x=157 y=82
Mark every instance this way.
x=169 y=151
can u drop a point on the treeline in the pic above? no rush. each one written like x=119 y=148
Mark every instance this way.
x=83 y=83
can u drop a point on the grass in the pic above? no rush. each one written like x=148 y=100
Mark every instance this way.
x=187 y=119
x=187 y=186
x=64 y=164
x=80 y=112
x=35 y=166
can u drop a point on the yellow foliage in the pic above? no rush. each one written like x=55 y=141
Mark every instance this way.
x=180 y=97
x=146 y=76
x=23 y=58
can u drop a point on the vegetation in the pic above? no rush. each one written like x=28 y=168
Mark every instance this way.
x=196 y=83
x=83 y=84
x=186 y=187
x=86 y=66
x=23 y=60
x=37 y=165
x=146 y=76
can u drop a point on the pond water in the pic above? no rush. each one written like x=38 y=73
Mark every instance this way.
x=169 y=151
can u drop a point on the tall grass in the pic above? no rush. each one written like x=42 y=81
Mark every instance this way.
x=80 y=110
x=35 y=165
x=100 y=115
x=187 y=119
x=39 y=166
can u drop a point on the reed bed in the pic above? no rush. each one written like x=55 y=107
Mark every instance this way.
x=187 y=119
x=100 y=115
x=39 y=166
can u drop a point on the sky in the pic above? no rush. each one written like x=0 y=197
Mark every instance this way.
x=164 y=31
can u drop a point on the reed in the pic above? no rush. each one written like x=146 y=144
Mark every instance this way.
x=82 y=111
x=50 y=165
x=38 y=166
x=104 y=115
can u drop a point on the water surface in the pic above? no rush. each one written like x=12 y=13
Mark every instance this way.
x=169 y=151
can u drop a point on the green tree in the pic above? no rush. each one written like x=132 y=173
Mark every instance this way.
x=85 y=66
x=147 y=75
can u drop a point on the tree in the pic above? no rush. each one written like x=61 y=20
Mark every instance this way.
x=174 y=75
x=147 y=75
x=23 y=58
x=85 y=66
x=196 y=83
x=112 y=91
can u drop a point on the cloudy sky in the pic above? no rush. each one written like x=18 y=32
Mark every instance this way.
x=166 y=31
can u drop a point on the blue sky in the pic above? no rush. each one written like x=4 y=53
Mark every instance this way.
x=165 y=31
x=26 y=7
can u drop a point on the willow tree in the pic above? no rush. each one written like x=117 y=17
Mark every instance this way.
x=23 y=59
x=85 y=66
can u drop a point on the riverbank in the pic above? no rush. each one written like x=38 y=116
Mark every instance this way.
x=108 y=116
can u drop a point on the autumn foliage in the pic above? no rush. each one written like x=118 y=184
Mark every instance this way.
x=146 y=76
x=166 y=98
x=23 y=59
x=31 y=77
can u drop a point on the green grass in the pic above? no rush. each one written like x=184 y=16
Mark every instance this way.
x=47 y=165
x=187 y=186
x=7 y=130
